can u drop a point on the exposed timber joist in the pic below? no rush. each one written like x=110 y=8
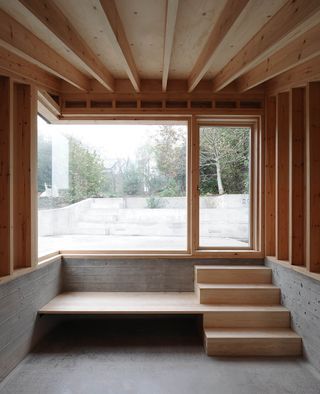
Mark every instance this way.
x=305 y=47
x=295 y=17
x=27 y=72
x=54 y=19
x=171 y=16
x=119 y=41
x=47 y=107
x=297 y=76
x=17 y=39
x=229 y=15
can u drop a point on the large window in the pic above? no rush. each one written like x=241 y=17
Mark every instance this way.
x=112 y=187
x=225 y=179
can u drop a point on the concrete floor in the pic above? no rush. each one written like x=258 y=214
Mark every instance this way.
x=149 y=356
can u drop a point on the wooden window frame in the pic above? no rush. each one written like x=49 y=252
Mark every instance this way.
x=256 y=249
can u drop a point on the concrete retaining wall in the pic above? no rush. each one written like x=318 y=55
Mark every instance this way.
x=301 y=295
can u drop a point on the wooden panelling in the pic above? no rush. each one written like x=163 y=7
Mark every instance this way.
x=313 y=178
x=296 y=183
x=5 y=176
x=282 y=177
x=270 y=176
x=24 y=176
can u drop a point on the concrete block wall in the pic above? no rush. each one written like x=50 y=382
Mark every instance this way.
x=20 y=299
x=301 y=295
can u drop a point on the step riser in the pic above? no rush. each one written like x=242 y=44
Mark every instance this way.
x=246 y=319
x=224 y=276
x=253 y=347
x=254 y=296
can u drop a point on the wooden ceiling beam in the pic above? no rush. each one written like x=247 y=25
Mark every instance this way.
x=118 y=40
x=25 y=71
x=17 y=39
x=295 y=77
x=305 y=47
x=227 y=18
x=171 y=16
x=54 y=19
x=295 y=17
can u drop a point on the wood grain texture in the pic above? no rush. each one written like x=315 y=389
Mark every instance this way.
x=6 y=257
x=282 y=177
x=296 y=77
x=54 y=19
x=293 y=18
x=171 y=16
x=297 y=181
x=24 y=176
x=26 y=72
x=22 y=42
x=302 y=49
x=313 y=178
x=270 y=176
x=229 y=15
x=119 y=41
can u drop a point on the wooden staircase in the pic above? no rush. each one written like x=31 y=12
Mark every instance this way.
x=248 y=319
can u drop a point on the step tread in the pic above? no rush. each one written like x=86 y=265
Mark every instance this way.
x=235 y=267
x=258 y=333
x=236 y=286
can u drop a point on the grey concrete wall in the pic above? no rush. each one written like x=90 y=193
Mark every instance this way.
x=301 y=295
x=20 y=299
x=135 y=274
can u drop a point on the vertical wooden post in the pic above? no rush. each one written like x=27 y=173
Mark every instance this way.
x=296 y=176
x=313 y=178
x=6 y=258
x=270 y=177
x=282 y=177
x=195 y=206
x=24 y=170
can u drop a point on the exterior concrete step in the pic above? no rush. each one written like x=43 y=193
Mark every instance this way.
x=228 y=274
x=238 y=294
x=247 y=317
x=252 y=342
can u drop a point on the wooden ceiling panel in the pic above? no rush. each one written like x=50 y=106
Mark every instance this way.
x=23 y=16
x=255 y=15
x=193 y=26
x=87 y=16
x=144 y=25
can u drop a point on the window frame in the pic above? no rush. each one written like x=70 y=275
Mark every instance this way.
x=193 y=122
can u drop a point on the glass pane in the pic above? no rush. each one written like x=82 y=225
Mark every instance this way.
x=224 y=187
x=112 y=187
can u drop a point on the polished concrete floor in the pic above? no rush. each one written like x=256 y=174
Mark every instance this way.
x=148 y=356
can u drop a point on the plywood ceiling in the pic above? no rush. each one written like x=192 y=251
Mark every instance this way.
x=109 y=40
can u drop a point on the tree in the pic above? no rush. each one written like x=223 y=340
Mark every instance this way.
x=169 y=149
x=86 y=172
x=224 y=160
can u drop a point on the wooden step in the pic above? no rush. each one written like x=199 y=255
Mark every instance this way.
x=236 y=294
x=252 y=342
x=247 y=317
x=240 y=274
